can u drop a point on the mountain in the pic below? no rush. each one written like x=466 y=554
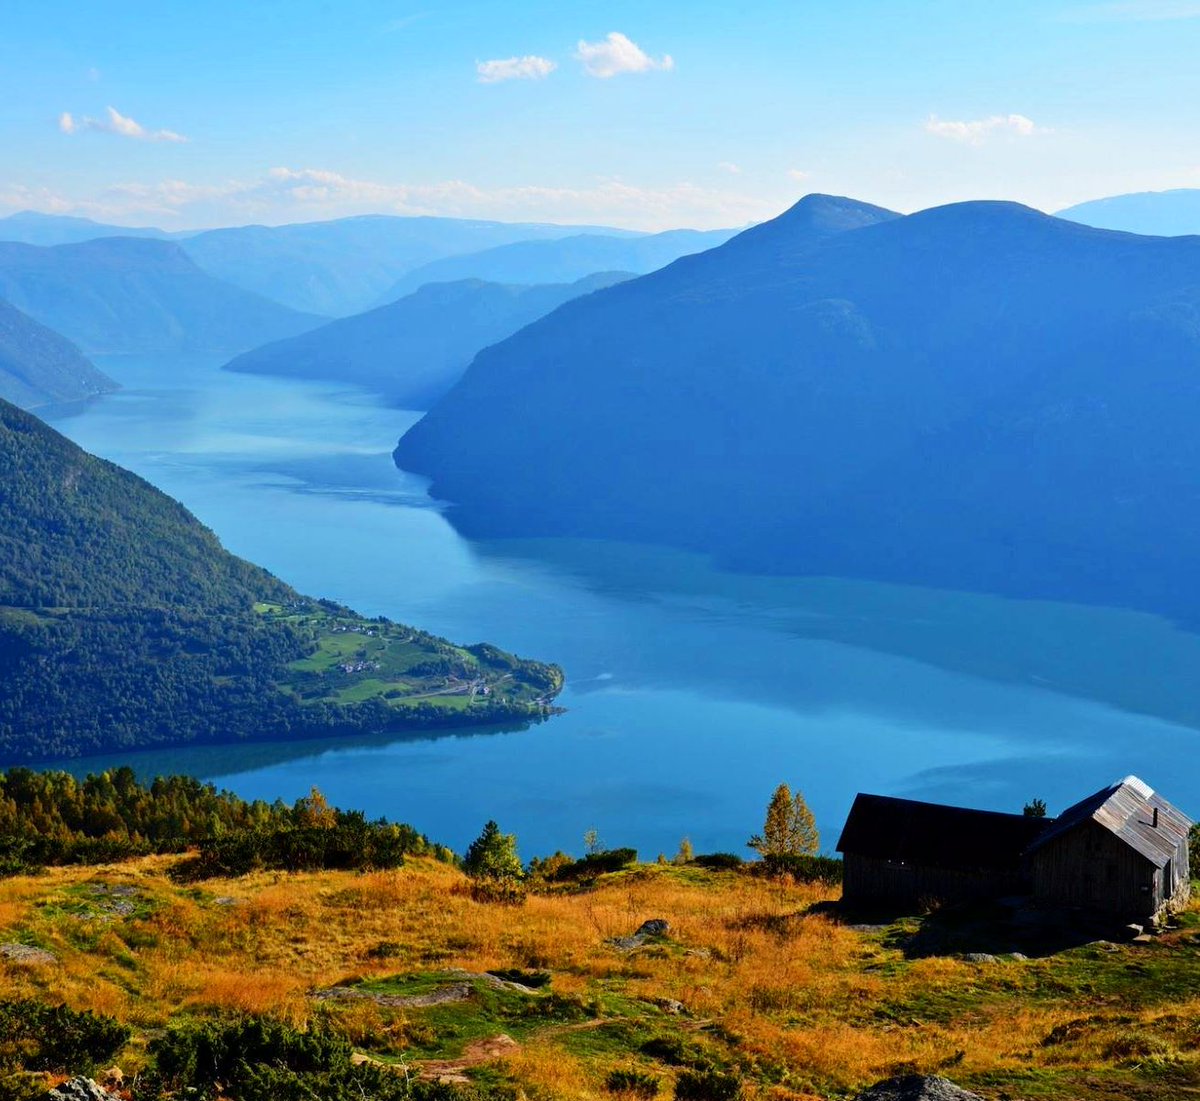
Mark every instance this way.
x=977 y=397
x=124 y=623
x=562 y=261
x=1157 y=213
x=131 y=296
x=342 y=267
x=415 y=349
x=33 y=228
x=38 y=366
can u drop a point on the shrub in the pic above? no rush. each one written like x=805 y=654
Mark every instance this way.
x=505 y=892
x=707 y=1085
x=718 y=861
x=802 y=867
x=635 y=1082
x=40 y=1037
x=594 y=864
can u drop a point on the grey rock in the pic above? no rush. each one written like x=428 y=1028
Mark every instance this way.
x=979 y=957
x=670 y=1005
x=918 y=1087
x=655 y=927
x=80 y=1089
x=1133 y=930
x=1019 y=957
x=26 y=953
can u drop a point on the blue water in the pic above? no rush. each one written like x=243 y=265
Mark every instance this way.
x=691 y=693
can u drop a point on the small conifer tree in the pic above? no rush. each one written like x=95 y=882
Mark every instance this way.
x=1035 y=808
x=789 y=829
x=493 y=855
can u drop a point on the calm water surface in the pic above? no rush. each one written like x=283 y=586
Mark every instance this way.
x=691 y=693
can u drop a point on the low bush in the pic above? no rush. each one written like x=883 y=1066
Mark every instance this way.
x=634 y=1082
x=255 y=1059
x=594 y=864
x=707 y=1085
x=718 y=861
x=801 y=867
x=35 y=1036
x=350 y=842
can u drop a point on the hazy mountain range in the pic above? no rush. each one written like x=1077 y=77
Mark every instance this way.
x=412 y=351
x=563 y=260
x=1158 y=213
x=976 y=396
x=334 y=268
x=137 y=296
x=38 y=366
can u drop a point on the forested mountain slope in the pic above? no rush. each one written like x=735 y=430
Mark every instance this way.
x=38 y=366
x=124 y=623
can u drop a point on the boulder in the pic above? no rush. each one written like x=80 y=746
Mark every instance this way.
x=918 y=1087
x=655 y=927
x=26 y=953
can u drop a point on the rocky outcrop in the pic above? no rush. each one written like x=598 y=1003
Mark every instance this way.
x=80 y=1089
x=918 y=1087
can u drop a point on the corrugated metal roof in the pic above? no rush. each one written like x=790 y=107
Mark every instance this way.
x=905 y=831
x=1127 y=810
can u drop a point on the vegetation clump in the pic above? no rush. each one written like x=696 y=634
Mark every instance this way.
x=51 y=818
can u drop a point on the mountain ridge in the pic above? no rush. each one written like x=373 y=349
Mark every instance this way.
x=861 y=405
x=413 y=350
x=135 y=296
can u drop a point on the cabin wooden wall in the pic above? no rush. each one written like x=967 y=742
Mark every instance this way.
x=867 y=879
x=1089 y=867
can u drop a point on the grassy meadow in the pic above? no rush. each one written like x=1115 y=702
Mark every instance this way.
x=756 y=976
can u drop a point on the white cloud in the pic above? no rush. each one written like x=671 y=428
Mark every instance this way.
x=798 y=175
x=730 y=167
x=617 y=54
x=116 y=123
x=529 y=67
x=977 y=131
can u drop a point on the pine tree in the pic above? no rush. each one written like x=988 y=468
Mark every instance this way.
x=789 y=829
x=493 y=855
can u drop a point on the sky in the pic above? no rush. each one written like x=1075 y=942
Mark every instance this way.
x=642 y=115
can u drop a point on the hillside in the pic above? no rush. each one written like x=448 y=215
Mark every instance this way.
x=414 y=350
x=37 y=366
x=398 y=983
x=123 y=624
x=130 y=296
x=564 y=260
x=977 y=397
x=31 y=227
x=343 y=266
x=1157 y=213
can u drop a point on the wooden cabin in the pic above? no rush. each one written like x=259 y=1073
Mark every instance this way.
x=1123 y=850
x=904 y=852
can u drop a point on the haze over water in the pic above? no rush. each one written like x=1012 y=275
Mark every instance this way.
x=690 y=692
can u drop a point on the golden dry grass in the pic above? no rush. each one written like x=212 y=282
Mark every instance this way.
x=804 y=1003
